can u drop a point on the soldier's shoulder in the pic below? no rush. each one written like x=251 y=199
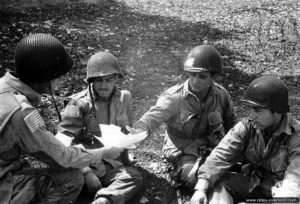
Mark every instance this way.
x=9 y=105
x=174 y=89
x=76 y=99
x=12 y=99
x=220 y=87
x=79 y=95
x=22 y=100
x=125 y=94
x=295 y=124
x=221 y=90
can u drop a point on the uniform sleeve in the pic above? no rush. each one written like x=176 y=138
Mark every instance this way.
x=33 y=138
x=228 y=152
x=291 y=183
x=129 y=107
x=230 y=117
x=166 y=107
x=72 y=119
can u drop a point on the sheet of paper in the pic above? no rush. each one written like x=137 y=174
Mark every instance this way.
x=66 y=140
x=79 y=145
x=112 y=136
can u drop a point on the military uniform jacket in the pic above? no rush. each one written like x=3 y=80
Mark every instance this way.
x=270 y=163
x=22 y=130
x=192 y=125
x=79 y=122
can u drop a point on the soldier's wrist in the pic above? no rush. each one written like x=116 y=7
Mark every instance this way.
x=140 y=127
x=202 y=185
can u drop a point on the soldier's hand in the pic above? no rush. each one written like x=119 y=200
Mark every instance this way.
x=112 y=152
x=127 y=158
x=199 y=197
x=133 y=130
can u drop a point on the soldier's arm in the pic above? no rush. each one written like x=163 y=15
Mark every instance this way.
x=34 y=139
x=230 y=117
x=72 y=122
x=228 y=152
x=290 y=186
x=166 y=107
x=128 y=101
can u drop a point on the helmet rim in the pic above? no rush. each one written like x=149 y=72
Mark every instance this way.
x=267 y=92
x=41 y=54
x=102 y=64
x=204 y=57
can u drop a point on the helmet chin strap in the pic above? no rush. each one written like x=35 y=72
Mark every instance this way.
x=53 y=100
x=92 y=99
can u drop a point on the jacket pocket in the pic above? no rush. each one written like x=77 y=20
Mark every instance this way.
x=279 y=161
x=216 y=128
x=214 y=118
x=188 y=121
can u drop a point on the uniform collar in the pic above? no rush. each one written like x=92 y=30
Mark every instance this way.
x=285 y=125
x=187 y=91
x=22 y=88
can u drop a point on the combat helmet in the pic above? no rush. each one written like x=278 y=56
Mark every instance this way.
x=203 y=58
x=102 y=64
x=268 y=92
x=40 y=58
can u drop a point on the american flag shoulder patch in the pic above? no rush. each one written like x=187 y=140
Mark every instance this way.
x=34 y=121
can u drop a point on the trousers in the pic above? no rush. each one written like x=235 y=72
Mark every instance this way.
x=234 y=188
x=51 y=187
x=119 y=184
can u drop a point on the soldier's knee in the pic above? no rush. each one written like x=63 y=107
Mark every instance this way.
x=139 y=179
x=135 y=176
x=75 y=180
x=79 y=180
x=188 y=175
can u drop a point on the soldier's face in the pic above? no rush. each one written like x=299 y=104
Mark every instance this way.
x=105 y=85
x=200 y=81
x=263 y=118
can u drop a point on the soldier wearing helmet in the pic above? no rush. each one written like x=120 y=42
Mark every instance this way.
x=268 y=143
x=40 y=60
x=197 y=114
x=102 y=103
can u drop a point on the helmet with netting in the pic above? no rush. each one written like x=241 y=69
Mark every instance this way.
x=204 y=58
x=102 y=64
x=268 y=92
x=40 y=58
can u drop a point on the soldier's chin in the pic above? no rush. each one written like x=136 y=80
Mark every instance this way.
x=197 y=88
x=103 y=93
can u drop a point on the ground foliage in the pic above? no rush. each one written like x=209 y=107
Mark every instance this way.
x=150 y=39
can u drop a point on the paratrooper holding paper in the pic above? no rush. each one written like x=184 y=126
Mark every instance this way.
x=102 y=103
x=197 y=114
x=40 y=61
